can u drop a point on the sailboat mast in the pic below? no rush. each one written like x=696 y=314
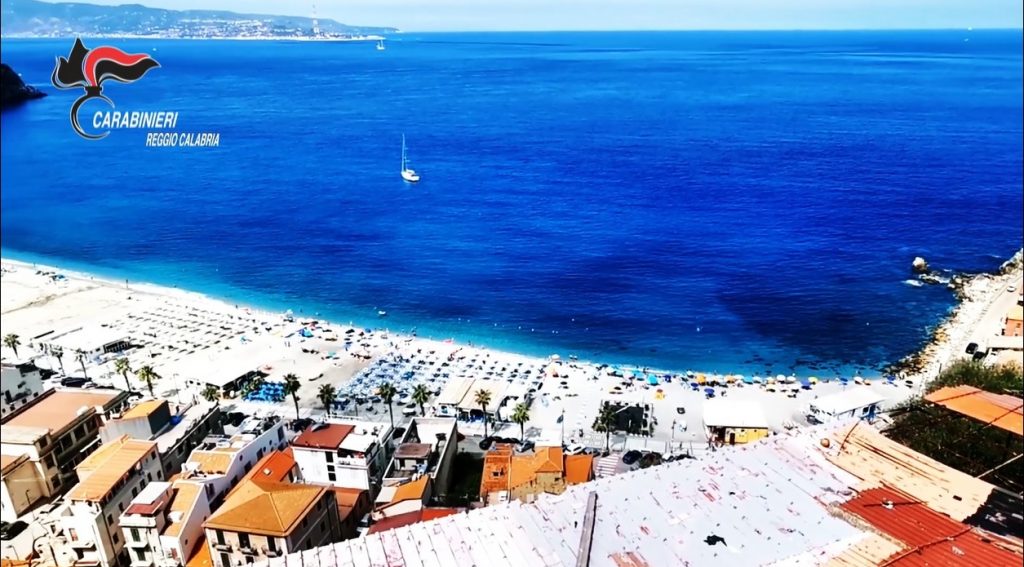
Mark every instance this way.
x=403 y=152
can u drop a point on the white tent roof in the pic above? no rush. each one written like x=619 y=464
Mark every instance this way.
x=734 y=413
x=846 y=401
x=454 y=391
x=495 y=387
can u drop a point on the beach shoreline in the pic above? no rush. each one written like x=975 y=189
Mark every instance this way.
x=975 y=290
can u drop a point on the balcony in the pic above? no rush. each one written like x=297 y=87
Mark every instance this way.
x=82 y=544
x=222 y=547
x=249 y=550
x=136 y=544
x=147 y=562
x=272 y=552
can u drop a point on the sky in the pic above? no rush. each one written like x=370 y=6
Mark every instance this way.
x=511 y=15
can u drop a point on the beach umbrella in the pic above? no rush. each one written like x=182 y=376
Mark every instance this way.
x=689 y=373
x=813 y=380
x=757 y=379
x=730 y=378
x=709 y=391
x=747 y=379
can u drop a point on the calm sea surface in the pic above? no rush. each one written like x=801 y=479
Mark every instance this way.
x=723 y=201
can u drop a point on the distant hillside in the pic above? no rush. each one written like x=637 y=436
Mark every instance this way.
x=31 y=18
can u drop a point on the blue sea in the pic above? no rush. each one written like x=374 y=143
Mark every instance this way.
x=717 y=200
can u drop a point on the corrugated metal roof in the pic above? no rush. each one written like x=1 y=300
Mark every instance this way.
x=902 y=517
x=967 y=549
x=1003 y=411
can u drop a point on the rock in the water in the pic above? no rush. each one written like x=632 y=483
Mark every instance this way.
x=920 y=266
x=13 y=90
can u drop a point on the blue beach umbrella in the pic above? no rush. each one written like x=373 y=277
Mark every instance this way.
x=748 y=379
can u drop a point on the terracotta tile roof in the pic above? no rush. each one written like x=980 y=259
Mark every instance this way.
x=323 y=436
x=267 y=508
x=579 y=468
x=1003 y=411
x=525 y=468
x=144 y=409
x=105 y=467
x=497 y=469
x=351 y=500
x=931 y=538
x=879 y=461
x=183 y=499
x=274 y=466
x=60 y=409
x=348 y=496
x=200 y=555
x=413 y=490
x=409 y=518
x=212 y=462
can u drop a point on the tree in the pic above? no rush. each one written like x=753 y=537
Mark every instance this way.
x=123 y=366
x=148 y=375
x=387 y=393
x=12 y=342
x=253 y=385
x=291 y=388
x=482 y=398
x=80 y=357
x=326 y=395
x=59 y=354
x=420 y=395
x=520 y=415
x=211 y=394
x=605 y=423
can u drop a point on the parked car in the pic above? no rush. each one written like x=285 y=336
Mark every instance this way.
x=631 y=457
x=574 y=449
x=486 y=443
x=301 y=424
x=971 y=348
x=525 y=446
x=10 y=531
x=74 y=382
x=681 y=410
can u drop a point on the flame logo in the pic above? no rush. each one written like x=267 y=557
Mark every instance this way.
x=89 y=68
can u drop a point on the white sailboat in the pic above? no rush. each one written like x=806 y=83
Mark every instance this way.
x=380 y=45
x=408 y=173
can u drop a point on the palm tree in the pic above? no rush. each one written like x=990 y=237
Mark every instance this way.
x=420 y=395
x=326 y=396
x=520 y=415
x=211 y=394
x=147 y=375
x=482 y=398
x=605 y=423
x=254 y=385
x=387 y=393
x=291 y=388
x=11 y=341
x=123 y=366
x=59 y=354
x=80 y=357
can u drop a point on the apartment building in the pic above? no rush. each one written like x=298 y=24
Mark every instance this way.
x=20 y=383
x=420 y=468
x=109 y=479
x=510 y=476
x=44 y=440
x=176 y=428
x=220 y=461
x=344 y=453
x=262 y=519
x=163 y=525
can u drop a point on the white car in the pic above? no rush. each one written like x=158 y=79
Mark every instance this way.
x=574 y=449
x=1011 y=289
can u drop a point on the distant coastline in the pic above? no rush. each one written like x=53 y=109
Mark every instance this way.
x=374 y=37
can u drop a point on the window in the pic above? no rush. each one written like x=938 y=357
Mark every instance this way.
x=73 y=533
x=243 y=540
x=272 y=543
x=135 y=534
x=110 y=520
x=115 y=538
x=120 y=505
x=331 y=476
x=135 y=491
x=141 y=555
x=220 y=537
x=280 y=434
x=330 y=457
x=303 y=524
x=225 y=561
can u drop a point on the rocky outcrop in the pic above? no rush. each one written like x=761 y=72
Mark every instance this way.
x=13 y=90
x=920 y=266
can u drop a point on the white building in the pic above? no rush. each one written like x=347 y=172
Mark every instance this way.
x=860 y=402
x=458 y=398
x=420 y=467
x=221 y=461
x=93 y=341
x=21 y=383
x=163 y=524
x=177 y=428
x=109 y=480
x=345 y=453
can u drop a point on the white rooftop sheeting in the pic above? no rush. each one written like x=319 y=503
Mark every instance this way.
x=86 y=339
x=495 y=387
x=454 y=391
x=217 y=368
x=846 y=401
x=734 y=413
x=767 y=501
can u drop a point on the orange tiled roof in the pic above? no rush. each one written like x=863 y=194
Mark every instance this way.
x=1003 y=411
x=144 y=409
x=200 y=555
x=104 y=468
x=579 y=468
x=60 y=409
x=184 y=497
x=525 y=468
x=274 y=466
x=265 y=507
x=497 y=469
x=411 y=490
x=212 y=462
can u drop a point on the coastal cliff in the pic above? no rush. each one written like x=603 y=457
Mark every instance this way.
x=13 y=90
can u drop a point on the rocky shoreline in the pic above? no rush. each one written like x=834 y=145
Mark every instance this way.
x=14 y=91
x=974 y=292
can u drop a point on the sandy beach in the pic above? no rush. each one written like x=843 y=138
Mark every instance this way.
x=183 y=335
